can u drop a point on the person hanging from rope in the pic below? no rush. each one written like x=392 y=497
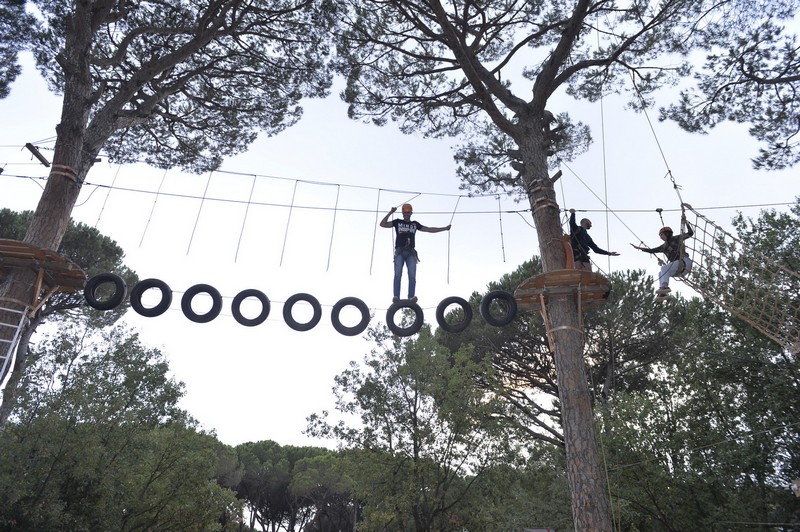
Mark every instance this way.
x=404 y=252
x=674 y=250
x=581 y=243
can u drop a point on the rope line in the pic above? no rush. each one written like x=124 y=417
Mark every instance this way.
x=244 y=219
x=374 y=232
x=105 y=201
x=288 y=219
x=153 y=208
x=502 y=237
x=448 y=239
x=515 y=211
x=199 y=211
x=333 y=228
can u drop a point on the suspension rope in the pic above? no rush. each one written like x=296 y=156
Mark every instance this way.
x=244 y=219
x=199 y=210
x=333 y=227
x=374 y=231
x=502 y=238
x=153 y=208
x=103 y=207
x=288 y=219
x=448 y=239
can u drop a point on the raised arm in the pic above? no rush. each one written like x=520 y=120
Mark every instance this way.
x=573 y=226
x=385 y=222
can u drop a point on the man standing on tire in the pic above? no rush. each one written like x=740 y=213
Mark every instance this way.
x=404 y=253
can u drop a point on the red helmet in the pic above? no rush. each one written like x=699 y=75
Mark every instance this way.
x=406 y=208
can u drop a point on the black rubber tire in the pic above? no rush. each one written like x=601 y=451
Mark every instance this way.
x=411 y=329
x=143 y=286
x=237 y=311
x=511 y=308
x=90 y=289
x=453 y=327
x=294 y=324
x=355 y=329
x=216 y=305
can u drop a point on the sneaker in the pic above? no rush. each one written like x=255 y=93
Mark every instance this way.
x=395 y=299
x=663 y=290
x=413 y=300
x=661 y=297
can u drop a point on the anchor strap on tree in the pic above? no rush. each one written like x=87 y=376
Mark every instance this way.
x=746 y=283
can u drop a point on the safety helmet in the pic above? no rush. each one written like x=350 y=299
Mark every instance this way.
x=407 y=208
x=665 y=229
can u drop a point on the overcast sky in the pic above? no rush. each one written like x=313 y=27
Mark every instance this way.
x=299 y=213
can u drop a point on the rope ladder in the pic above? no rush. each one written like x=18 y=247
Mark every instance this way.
x=748 y=284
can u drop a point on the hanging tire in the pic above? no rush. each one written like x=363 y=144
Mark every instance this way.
x=356 y=329
x=90 y=291
x=453 y=327
x=404 y=331
x=508 y=315
x=143 y=286
x=294 y=324
x=216 y=305
x=237 y=304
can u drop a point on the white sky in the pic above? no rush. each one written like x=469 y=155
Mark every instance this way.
x=250 y=384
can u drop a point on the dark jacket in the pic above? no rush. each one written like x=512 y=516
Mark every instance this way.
x=582 y=242
x=673 y=247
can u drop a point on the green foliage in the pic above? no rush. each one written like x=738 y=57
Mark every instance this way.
x=532 y=493
x=422 y=432
x=97 y=442
x=486 y=73
x=94 y=252
x=749 y=76
x=16 y=26
x=773 y=234
x=326 y=481
x=181 y=83
x=265 y=487
x=712 y=441
x=627 y=339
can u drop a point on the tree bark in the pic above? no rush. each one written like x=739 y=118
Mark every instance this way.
x=585 y=474
x=72 y=159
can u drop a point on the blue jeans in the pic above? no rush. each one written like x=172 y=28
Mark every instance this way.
x=409 y=258
x=674 y=269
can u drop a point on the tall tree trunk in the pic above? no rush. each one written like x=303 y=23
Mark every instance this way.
x=72 y=158
x=585 y=474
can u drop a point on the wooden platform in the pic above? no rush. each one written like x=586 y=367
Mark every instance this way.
x=592 y=287
x=54 y=271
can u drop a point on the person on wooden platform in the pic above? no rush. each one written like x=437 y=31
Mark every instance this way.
x=581 y=243
x=404 y=253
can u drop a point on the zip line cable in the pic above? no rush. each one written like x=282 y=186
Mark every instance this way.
x=308 y=207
